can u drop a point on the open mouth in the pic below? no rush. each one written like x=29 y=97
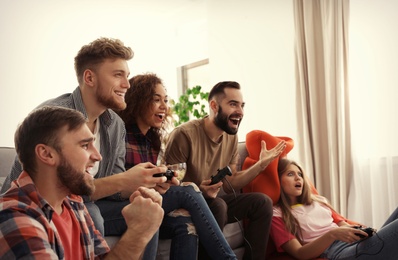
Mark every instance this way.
x=235 y=120
x=161 y=116
x=298 y=185
x=89 y=169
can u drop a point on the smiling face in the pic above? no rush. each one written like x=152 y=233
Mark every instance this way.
x=230 y=111
x=112 y=83
x=292 y=183
x=78 y=155
x=156 y=114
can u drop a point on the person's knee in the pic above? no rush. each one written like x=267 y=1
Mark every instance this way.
x=177 y=224
x=179 y=213
x=191 y=185
x=219 y=205
x=262 y=203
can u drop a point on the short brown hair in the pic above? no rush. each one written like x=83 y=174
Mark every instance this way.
x=97 y=51
x=220 y=86
x=42 y=126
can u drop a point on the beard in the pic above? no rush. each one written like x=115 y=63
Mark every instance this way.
x=221 y=121
x=76 y=182
x=109 y=101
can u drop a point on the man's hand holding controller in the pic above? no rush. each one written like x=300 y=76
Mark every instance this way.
x=171 y=175
x=140 y=175
x=220 y=175
x=210 y=188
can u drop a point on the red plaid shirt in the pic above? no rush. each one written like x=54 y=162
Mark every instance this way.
x=26 y=229
x=139 y=147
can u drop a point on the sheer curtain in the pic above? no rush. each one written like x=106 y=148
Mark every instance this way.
x=347 y=100
x=374 y=103
x=322 y=98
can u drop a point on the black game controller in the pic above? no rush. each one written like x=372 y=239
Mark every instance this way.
x=370 y=231
x=220 y=175
x=169 y=174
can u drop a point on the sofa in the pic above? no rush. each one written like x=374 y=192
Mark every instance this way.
x=232 y=232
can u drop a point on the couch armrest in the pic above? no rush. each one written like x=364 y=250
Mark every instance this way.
x=7 y=157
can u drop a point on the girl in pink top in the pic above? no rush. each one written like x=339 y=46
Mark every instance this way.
x=302 y=224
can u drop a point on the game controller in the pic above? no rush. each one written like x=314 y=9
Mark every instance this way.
x=370 y=231
x=220 y=175
x=168 y=174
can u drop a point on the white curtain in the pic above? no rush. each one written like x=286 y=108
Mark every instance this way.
x=322 y=96
x=374 y=103
x=347 y=84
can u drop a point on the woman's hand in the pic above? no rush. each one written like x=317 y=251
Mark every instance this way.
x=347 y=233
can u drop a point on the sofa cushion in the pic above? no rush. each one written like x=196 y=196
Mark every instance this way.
x=7 y=157
x=267 y=181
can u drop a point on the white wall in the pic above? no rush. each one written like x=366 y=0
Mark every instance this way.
x=41 y=38
x=373 y=73
x=247 y=41
x=252 y=42
x=373 y=83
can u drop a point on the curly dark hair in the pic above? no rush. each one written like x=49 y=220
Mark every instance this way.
x=96 y=52
x=139 y=98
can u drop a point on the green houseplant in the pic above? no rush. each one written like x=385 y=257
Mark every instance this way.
x=191 y=103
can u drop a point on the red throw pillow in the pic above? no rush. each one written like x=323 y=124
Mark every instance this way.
x=267 y=181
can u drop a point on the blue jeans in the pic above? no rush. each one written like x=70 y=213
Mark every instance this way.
x=179 y=227
x=382 y=245
x=108 y=219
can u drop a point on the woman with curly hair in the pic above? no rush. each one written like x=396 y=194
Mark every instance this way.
x=187 y=216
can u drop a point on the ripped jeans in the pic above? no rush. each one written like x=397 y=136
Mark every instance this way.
x=195 y=221
x=183 y=228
